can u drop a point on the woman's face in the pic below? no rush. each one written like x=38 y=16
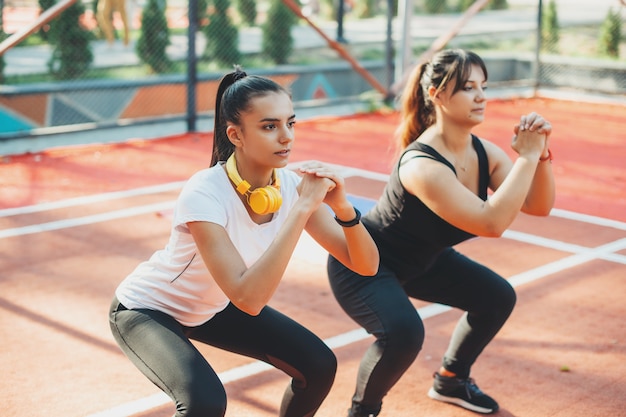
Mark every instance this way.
x=266 y=133
x=467 y=105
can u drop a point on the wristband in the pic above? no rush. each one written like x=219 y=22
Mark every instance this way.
x=547 y=158
x=352 y=222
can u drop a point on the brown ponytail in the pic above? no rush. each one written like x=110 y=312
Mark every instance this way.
x=417 y=111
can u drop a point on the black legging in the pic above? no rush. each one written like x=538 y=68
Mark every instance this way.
x=159 y=346
x=381 y=305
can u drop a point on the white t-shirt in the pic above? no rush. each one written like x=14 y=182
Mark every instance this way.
x=175 y=279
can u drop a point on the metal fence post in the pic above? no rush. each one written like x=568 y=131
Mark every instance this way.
x=389 y=48
x=536 y=69
x=192 y=71
x=341 y=7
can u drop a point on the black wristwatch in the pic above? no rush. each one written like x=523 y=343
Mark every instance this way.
x=350 y=223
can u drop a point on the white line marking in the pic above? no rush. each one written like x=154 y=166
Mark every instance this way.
x=566 y=263
x=82 y=221
x=597 y=252
x=134 y=407
x=542 y=241
x=90 y=199
x=586 y=218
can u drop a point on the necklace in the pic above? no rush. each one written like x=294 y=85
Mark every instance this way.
x=464 y=166
x=459 y=163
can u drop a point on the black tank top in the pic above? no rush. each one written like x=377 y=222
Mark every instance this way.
x=409 y=235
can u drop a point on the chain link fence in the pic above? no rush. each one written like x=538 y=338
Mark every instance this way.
x=106 y=63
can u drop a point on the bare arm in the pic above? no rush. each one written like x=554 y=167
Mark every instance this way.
x=437 y=186
x=352 y=246
x=541 y=195
x=251 y=288
x=540 y=198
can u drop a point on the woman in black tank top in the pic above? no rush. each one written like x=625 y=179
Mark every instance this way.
x=437 y=197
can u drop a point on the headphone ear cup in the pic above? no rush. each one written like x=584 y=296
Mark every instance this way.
x=275 y=198
x=265 y=200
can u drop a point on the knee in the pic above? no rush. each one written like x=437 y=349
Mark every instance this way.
x=403 y=334
x=506 y=299
x=207 y=404
x=499 y=305
x=329 y=362
x=322 y=368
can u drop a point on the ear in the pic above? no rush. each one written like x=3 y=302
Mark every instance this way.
x=234 y=135
x=434 y=95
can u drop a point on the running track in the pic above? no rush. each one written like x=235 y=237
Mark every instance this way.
x=74 y=221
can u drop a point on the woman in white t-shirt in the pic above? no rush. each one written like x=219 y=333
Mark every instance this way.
x=235 y=227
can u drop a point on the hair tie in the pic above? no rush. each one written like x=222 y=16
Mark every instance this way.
x=239 y=74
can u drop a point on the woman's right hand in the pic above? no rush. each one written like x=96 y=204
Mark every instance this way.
x=313 y=188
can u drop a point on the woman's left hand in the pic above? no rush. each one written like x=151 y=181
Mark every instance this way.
x=336 y=196
x=533 y=122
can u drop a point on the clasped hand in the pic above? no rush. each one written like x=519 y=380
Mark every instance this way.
x=531 y=135
x=322 y=184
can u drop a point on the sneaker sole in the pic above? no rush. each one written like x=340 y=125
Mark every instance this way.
x=461 y=403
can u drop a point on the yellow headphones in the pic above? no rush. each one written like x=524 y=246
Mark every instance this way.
x=262 y=200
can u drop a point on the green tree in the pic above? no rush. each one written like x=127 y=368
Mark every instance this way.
x=550 y=28
x=154 y=38
x=435 y=6
x=3 y=36
x=610 y=34
x=498 y=5
x=203 y=13
x=367 y=8
x=43 y=6
x=463 y=5
x=72 y=55
x=277 y=42
x=222 y=36
x=248 y=12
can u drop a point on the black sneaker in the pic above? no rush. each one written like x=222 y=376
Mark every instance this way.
x=462 y=392
x=358 y=411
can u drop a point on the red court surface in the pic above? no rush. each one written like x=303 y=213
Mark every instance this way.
x=74 y=221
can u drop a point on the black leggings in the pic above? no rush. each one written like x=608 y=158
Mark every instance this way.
x=381 y=305
x=160 y=347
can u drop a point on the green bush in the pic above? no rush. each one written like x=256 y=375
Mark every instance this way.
x=277 y=42
x=222 y=36
x=550 y=28
x=154 y=38
x=72 y=55
x=610 y=34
